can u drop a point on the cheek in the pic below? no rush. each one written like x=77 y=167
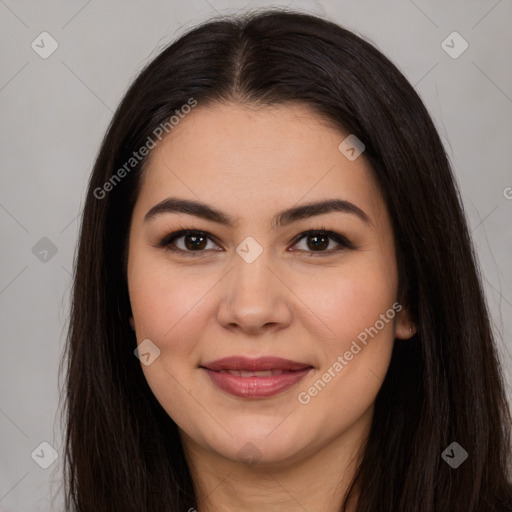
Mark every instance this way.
x=160 y=300
x=171 y=304
x=350 y=300
x=169 y=307
x=168 y=304
x=360 y=311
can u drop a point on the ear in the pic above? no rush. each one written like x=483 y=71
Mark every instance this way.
x=404 y=326
x=132 y=323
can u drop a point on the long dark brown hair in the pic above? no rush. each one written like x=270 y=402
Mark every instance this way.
x=122 y=450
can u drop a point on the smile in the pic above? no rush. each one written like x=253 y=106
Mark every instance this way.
x=255 y=378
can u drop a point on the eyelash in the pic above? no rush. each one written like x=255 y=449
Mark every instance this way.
x=344 y=243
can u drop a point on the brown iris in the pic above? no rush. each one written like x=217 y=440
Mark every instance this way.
x=319 y=241
x=197 y=242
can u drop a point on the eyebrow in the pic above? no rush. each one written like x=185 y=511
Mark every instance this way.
x=282 y=218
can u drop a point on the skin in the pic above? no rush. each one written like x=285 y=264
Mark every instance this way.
x=305 y=305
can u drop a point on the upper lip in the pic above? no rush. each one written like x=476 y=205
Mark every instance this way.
x=254 y=364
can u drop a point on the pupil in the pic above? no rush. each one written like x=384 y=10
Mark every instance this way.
x=194 y=239
x=321 y=245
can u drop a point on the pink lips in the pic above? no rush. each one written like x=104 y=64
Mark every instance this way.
x=270 y=375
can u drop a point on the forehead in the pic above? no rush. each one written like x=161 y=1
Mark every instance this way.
x=256 y=159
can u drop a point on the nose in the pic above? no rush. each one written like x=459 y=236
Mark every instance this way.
x=255 y=298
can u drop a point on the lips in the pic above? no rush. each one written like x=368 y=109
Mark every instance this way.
x=255 y=378
x=260 y=373
x=254 y=365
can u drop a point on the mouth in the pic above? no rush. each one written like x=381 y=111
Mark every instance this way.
x=255 y=378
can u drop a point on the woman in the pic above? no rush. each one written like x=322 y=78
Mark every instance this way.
x=276 y=302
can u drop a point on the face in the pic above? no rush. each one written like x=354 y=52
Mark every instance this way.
x=303 y=302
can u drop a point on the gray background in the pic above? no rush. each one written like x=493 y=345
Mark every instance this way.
x=55 y=112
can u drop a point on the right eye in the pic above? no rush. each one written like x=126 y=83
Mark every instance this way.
x=193 y=242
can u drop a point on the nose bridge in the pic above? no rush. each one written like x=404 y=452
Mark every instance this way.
x=253 y=296
x=252 y=282
x=251 y=265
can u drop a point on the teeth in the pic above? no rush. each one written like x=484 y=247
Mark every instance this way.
x=261 y=373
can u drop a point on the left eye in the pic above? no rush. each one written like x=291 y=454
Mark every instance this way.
x=318 y=241
x=194 y=242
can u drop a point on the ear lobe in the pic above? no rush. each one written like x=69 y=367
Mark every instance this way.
x=132 y=323
x=404 y=326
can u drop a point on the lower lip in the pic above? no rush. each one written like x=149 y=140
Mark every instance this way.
x=256 y=387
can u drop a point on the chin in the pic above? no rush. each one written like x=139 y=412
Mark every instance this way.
x=255 y=447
